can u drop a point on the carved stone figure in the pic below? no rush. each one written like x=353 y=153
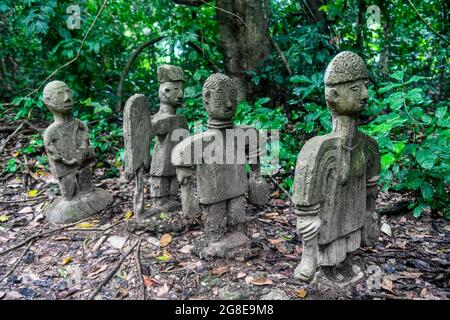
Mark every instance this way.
x=70 y=156
x=139 y=130
x=336 y=175
x=221 y=177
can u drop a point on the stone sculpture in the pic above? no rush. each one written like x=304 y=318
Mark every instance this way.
x=139 y=130
x=70 y=156
x=221 y=177
x=335 y=185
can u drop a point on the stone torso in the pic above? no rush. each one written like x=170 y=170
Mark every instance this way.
x=162 y=126
x=68 y=140
x=334 y=177
x=215 y=181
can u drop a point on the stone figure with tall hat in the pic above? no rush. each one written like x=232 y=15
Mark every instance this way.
x=140 y=128
x=335 y=184
x=71 y=156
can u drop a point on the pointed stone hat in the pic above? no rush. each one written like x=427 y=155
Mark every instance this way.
x=345 y=67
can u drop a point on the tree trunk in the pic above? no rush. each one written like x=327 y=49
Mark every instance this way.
x=245 y=43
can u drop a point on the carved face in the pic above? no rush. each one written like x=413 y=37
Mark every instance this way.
x=58 y=97
x=220 y=102
x=347 y=98
x=171 y=93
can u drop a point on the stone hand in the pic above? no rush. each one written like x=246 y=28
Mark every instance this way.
x=308 y=226
x=184 y=174
x=70 y=162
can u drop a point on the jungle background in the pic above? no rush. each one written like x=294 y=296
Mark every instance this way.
x=277 y=50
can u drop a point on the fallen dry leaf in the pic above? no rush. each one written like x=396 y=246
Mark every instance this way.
x=275 y=241
x=387 y=285
x=127 y=215
x=61 y=238
x=424 y=293
x=149 y=281
x=241 y=275
x=301 y=293
x=26 y=210
x=4 y=218
x=97 y=272
x=263 y=281
x=163 y=290
x=122 y=293
x=165 y=240
x=32 y=193
x=84 y=225
x=67 y=260
x=271 y=215
x=220 y=270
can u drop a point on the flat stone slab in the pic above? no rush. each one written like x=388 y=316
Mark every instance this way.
x=62 y=211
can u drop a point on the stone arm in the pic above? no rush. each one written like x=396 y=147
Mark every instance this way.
x=315 y=164
x=85 y=151
x=183 y=160
x=371 y=228
x=259 y=189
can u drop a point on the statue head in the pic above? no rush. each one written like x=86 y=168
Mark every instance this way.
x=346 y=80
x=171 y=80
x=58 y=97
x=220 y=97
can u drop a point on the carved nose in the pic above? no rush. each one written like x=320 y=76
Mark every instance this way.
x=66 y=97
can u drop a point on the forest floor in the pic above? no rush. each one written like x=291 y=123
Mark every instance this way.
x=410 y=261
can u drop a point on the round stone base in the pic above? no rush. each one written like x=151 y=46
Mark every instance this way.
x=62 y=211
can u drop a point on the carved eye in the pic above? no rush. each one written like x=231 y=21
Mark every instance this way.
x=167 y=90
x=220 y=91
x=354 y=88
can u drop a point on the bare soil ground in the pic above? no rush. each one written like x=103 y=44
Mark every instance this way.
x=410 y=261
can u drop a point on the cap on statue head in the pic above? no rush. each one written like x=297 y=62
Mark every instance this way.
x=52 y=85
x=169 y=73
x=345 y=67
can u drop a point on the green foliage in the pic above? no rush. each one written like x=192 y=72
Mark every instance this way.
x=409 y=66
x=413 y=136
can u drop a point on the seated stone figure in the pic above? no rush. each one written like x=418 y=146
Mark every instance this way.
x=70 y=156
x=335 y=184
x=221 y=178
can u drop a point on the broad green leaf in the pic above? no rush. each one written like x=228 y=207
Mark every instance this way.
x=414 y=79
x=387 y=160
x=300 y=79
x=426 y=159
x=417 y=212
x=427 y=191
x=398 y=75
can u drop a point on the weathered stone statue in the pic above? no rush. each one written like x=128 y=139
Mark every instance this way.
x=164 y=187
x=140 y=129
x=221 y=177
x=336 y=176
x=70 y=156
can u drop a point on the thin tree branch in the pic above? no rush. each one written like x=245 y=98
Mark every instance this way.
x=72 y=60
x=282 y=56
x=17 y=262
x=198 y=49
x=126 y=69
x=137 y=260
x=194 y=3
x=114 y=271
x=40 y=235
x=426 y=23
x=10 y=137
